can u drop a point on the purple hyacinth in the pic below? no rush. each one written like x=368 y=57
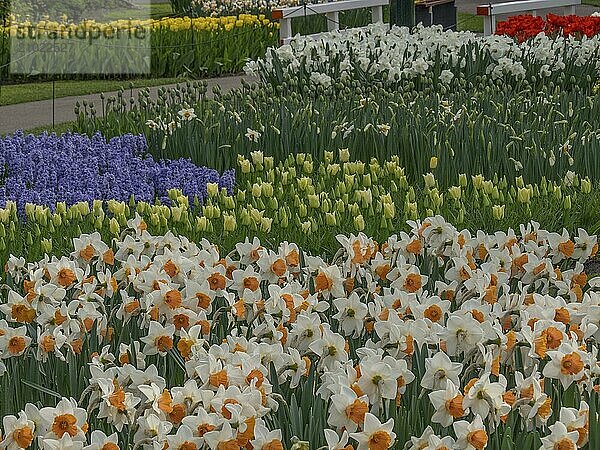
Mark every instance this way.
x=72 y=168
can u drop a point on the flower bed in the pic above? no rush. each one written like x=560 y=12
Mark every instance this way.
x=309 y=202
x=525 y=26
x=155 y=340
x=197 y=47
x=72 y=168
x=398 y=56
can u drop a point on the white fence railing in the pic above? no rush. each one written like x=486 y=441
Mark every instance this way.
x=492 y=12
x=331 y=10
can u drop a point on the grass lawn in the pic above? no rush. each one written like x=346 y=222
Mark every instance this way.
x=470 y=22
x=591 y=2
x=11 y=94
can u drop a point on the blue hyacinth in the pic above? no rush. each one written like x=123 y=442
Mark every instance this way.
x=71 y=168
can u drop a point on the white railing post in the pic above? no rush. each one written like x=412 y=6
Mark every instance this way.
x=333 y=21
x=377 y=14
x=487 y=26
x=285 y=30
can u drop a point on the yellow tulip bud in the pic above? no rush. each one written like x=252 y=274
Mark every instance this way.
x=359 y=223
x=330 y=219
x=498 y=212
x=245 y=165
x=429 y=180
x=524 y=195
x=265 y=224
x=267 y=190
x=344 y=155
x=257 y=157
x=586 y=185
x=212 y=189
x=229 y=222
x=455 y=192
x=201 y=223
x=114 y=227
x=433 y=162
x=46 y=245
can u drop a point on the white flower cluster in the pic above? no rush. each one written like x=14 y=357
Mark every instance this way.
x=497 y=316
x=396 y=53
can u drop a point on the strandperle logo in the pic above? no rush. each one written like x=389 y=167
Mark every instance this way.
x=92 y=45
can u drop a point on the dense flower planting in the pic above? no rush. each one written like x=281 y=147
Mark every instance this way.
x=73 y=168
x=178 y=344
x=187 y=46
x=407 y=260
x=526 y=26
x=375 y=53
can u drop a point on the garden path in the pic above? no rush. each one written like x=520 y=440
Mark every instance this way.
x=37 y=114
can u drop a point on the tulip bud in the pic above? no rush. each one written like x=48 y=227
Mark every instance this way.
x=61 y=208
x=313 y=201
x=389 y=210
x=265 y=224
x=586 y=185
x=462 y=180
x=201 y=223
x=212 y=189
x=328 y=157
x=267 y=190
x=308 y=167
x=98 y=206
x=176 y=213
x=455 y=192
x=114 y=227
x=433 y=162
x=56 y=220
x=257 y=157
x=256 y=190
x=229 y=223
x=367 y=180
x=498 y=212
x=519 y=182
x=567 y=203
x=359 y=223
x=305 y=226
x=245 y=166
x=46 y=245
x=284 y=216
x=303 y=183
x=330 y=219
x=344 y=155
x=429 y=180
x=557 y=192
x=302 y=210
x=524 y=195
x=477 y=181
